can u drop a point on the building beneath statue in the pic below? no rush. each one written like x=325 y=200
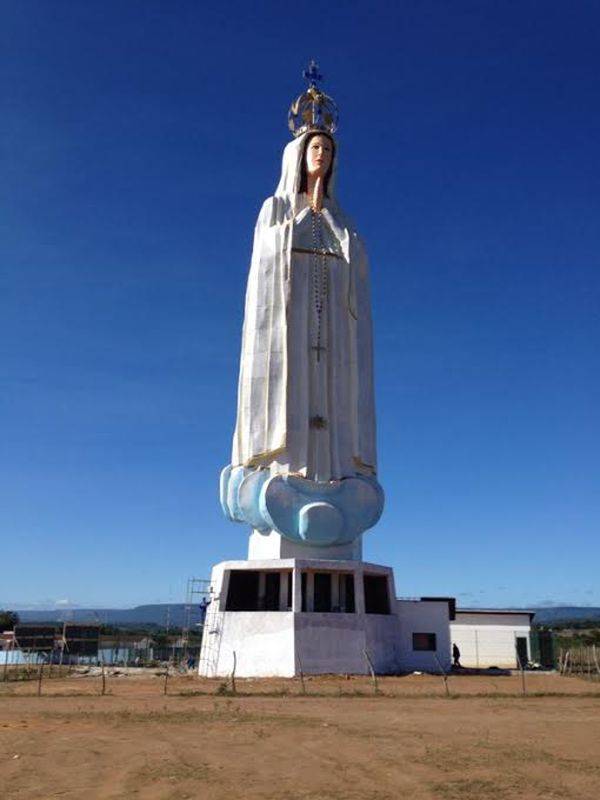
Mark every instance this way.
x=284 y=617
x=315 y=612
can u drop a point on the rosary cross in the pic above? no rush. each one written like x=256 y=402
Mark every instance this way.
x=318 y=349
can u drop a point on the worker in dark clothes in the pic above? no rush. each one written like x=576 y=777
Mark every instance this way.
x=455 y=656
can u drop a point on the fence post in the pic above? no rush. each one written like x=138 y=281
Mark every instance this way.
x=166 y=679
x=523 y=689
x=233 y=689
x=40 y=674
x=5 y=678
x=103 y=676
x=301 y=672
x=445 y=676
x=371 y=670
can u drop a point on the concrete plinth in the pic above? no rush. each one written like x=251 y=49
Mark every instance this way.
x=274 y=545
x=284 y=616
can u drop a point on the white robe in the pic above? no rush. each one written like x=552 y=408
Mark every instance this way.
x=282 y=385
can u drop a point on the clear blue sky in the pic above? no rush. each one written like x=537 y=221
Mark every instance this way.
x=138 y=141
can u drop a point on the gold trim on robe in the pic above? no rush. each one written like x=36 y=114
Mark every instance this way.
x=269 y=454
x=360 y=464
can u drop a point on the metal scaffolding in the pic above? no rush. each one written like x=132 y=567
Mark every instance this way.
x=197 y=597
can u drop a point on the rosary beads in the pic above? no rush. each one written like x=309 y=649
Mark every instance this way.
x=320 y=276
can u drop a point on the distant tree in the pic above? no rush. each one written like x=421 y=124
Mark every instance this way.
x=8 y=620
x=161 y=638
x=592 y=637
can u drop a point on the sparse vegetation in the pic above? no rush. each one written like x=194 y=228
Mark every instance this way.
x=271 y=741
x=8 y=620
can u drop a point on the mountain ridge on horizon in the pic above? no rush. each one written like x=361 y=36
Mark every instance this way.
x=174 y=614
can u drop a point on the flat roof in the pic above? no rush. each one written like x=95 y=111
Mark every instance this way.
x=523 y=611
x=450 y=600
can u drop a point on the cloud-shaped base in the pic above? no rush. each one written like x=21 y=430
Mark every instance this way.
x=312 y=512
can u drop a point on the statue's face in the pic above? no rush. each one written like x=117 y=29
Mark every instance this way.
x=319 y=154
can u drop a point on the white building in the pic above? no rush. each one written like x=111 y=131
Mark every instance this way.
x=424 y=634
x=492 y=637
x=289 y=616
x=286 y=616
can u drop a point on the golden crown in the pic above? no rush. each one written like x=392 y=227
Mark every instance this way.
x=313 y=110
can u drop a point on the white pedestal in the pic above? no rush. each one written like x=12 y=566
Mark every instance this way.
x=292 y=637
x=274 y=545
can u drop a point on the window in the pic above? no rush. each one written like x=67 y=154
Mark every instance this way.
x=251 y=590
x=377 y=599
x=322 y=591
x=424 y=641
x=243 y=590
x=329 y=592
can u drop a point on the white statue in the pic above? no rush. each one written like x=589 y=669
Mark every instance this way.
x=305 y=397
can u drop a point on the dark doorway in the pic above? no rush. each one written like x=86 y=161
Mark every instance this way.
x=272 y=585
x=546 y=649
x=522 y=657
x=322 y=591
x=303 y=588
x=377 y=600
x=243 y=590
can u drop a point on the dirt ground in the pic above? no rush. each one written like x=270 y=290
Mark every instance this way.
x=340 y=741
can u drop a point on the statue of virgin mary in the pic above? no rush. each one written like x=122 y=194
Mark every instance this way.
x=304 y=456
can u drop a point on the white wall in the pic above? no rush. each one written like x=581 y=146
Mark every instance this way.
x=489 y=639
x=424 y=616
x=263 y=642
x=275 y=643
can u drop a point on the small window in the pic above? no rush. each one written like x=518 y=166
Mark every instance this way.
x=424 y=641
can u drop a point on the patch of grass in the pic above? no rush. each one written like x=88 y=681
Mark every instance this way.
x=333 y=794
x=487 y=756
x=354 y=693
x=504 y=787
x=225 y=714
x=175 y=772
x=223 y=691
x=478 y=788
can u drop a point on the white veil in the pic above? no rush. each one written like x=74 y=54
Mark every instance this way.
x=261 y=426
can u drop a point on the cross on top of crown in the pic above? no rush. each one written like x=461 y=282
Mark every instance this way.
x=312 y=73
x=313 y=110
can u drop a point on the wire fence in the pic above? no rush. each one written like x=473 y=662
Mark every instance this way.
x=21 y=664
x=580 y=661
